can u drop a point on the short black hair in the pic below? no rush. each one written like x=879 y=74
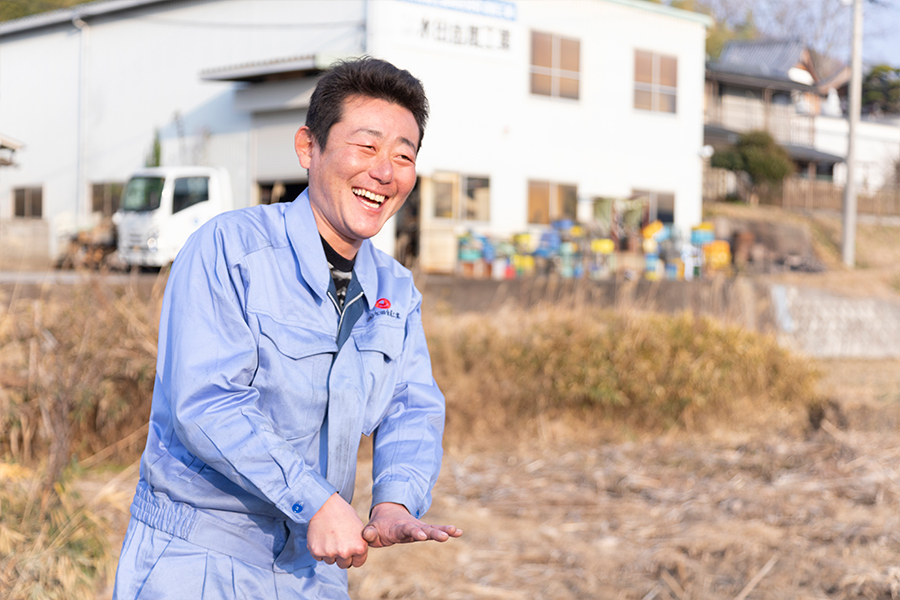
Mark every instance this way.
x=368 y=77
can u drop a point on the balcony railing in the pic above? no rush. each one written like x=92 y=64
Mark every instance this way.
x=783 y=121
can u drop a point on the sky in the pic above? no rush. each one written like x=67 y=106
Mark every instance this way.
x=881 y=33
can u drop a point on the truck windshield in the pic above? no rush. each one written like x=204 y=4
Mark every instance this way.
x=142 y=193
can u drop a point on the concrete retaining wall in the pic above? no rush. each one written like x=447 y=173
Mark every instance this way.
x=807 y=320
x=825 y=325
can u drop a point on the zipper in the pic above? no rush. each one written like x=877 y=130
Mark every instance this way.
x=341 y=312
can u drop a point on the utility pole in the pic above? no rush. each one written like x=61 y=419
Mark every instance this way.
x=848 y=243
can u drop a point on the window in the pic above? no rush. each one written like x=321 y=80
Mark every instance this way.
x=28 y=202
x=655 y=81
x=188 y=192
x=105 y=197
x=555 y=65
x=462 y=197
x=477 y=200
x=444 y=193
x=143 y=193
x=548 y=202
x=281 y=191
x=660 y=205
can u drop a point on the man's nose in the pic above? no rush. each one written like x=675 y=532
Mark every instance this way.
x=382 y=170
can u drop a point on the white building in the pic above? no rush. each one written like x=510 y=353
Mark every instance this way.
x=877 y=150
x=538 y=107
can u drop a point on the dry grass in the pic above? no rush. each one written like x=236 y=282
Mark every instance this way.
x=76 y=366
x=589 y=455
x=54 y=544
x=76 y=370
x=642 y=372
x=748 y=510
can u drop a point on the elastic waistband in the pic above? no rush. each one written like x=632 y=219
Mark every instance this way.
x=258 y=544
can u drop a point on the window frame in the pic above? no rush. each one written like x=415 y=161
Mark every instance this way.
x=193 y=197
x=655 y=87
x=555 y=201
x=459 y=187
x=28 y=202
x=652 y=206
x=555 y=71
x=109 y=194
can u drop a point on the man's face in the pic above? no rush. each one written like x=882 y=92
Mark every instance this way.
x=365 y=172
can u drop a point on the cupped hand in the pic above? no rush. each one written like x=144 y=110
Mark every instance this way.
x=392 y=524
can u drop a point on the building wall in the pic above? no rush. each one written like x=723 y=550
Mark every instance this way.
x=877 y=149
x=140 y=73
x=485 y=120
x=44 y=111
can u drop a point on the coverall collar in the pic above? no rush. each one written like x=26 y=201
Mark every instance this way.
x=304 y=237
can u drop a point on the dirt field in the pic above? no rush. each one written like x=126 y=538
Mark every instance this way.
x=785 y=513
x=775 y=509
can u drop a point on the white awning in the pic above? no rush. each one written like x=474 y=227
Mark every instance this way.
x=8 y=147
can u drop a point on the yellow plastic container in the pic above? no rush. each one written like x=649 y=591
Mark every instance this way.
x=717 y=255
x=652 y=229
x=603 y=246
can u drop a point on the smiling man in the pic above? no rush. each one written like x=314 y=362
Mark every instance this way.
x=284 y=336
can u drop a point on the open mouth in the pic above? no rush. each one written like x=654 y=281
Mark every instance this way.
x=369 y=198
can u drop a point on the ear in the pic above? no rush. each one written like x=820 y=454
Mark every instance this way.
x=303 y=146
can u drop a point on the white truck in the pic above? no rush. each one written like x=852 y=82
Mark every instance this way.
x=162 y=206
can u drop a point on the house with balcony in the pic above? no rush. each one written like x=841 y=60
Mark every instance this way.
x=799 y=97
x=776 y=86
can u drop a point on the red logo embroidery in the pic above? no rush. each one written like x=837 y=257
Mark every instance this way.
x=383 y=303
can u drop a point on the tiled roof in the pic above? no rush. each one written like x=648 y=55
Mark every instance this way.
x=769 y=59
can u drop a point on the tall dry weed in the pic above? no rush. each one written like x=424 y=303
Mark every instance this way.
x=53 y=545
x=76 y=371
x=645 y=371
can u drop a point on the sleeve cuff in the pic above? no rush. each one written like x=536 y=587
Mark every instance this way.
x=306 y=497
x=400 y=492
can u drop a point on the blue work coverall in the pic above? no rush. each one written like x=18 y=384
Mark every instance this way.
x=263 y=388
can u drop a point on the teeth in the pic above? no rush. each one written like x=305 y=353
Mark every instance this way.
x=376 y=198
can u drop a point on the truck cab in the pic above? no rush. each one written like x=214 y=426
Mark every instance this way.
x=162 y=206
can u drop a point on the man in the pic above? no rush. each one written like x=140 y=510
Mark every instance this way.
x=284 y=335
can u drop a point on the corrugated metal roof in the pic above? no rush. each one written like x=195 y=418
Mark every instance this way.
x=276 y=68
x=67 y=15
x=255 y=71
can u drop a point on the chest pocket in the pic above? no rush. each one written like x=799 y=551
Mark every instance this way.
x=293 y=376
x=379 y=346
